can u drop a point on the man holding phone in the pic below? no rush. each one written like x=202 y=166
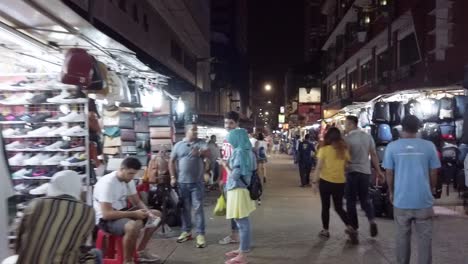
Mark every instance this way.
x=113 y=215
x=186 y=167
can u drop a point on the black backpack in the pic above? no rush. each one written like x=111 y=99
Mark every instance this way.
x=397 y=112
x=255 y=188
x=432 y=113
x=447 y=106
x=381 y=113
x=413 y=107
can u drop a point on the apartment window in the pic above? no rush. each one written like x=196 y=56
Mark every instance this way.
x=409 y=52
x=176 y=52
x=135 y=13
x=366 y=73
x=344 y=91
x=123 y=5
x=352 y=80
x=145 y=23
x=333 y=92
x=383 y=65
x=190 y=63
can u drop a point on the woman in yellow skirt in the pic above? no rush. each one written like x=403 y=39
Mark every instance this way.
x=240 y=167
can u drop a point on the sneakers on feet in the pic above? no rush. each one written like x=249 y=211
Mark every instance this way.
x=184 y=237
x=324 y=233
x=201 y=242
x=145 y=256
x=227 y=240
x=353 y=235
x=374 y=231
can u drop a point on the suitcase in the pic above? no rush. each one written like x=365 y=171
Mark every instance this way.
x=161 y=132
x=380 y=200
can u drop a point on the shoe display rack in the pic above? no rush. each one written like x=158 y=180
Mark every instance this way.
x=45 y=130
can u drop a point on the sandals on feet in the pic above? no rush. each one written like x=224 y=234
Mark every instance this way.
x=232 y=254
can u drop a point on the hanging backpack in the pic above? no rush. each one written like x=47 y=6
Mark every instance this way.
x=363 y=118
x=464 y=138
x=397 y=112
x=431 y=132
x=458 y=129
x=396 y=132
x=381 y=113
x=413 y=107
x=450 y=153
x=447 y=130
x=460 y=102
x=255 y=187
x=431 y=110
x=446 y=109
x=384 y=134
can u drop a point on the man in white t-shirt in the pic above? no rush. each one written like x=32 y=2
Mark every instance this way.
x=113 y=215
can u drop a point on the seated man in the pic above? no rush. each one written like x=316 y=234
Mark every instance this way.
x=55 y=227
x=111 y=194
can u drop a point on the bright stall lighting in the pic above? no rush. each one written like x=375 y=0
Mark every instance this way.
x=180 y=108
x=158 y=99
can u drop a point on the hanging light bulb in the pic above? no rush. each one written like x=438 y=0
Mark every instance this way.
x=367 y=19
x=180 y=106
x=383 y=2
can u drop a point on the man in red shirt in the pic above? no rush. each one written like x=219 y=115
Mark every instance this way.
x=231 y=121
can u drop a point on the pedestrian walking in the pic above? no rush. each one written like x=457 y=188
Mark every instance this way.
x=361 y=146
x=215 y=154
x=330 y=177
x=261 y=147
x=305 y=160
x=188 y=155
x=411 y=167
x=240 y=167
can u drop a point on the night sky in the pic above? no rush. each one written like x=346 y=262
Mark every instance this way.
x=276 y=40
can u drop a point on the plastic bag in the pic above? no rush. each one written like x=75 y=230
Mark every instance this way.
x=220 y=208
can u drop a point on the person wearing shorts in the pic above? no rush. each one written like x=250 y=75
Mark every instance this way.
x=113 y=214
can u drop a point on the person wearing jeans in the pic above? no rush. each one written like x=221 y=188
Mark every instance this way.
x=240 y=167
x=411 y=167
x=186 y=168
x=361 y=146
x=305 y=160
x=330 y=169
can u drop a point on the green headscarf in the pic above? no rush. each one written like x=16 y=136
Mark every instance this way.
x=239 y=139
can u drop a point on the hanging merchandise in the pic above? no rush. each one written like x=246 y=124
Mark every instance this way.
x=381 y=113
x=363 y=118
x=459 y=129
x=384 y=134
x=397 y=112
x=450 y=153
x=396 y=132
x=447 y=106
x=134 y=100
x=447 y=130
x=413 y=107
x=464 y=138
x=431 y=132
x=430 y=109
x=460 y=105
x=381 y=153
x=78 y=67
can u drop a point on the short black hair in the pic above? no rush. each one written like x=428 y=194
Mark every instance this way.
x=260 y=136
x=233 y=115
x=307 y=136
x=353 y=119
x=131 y=163
x=213 y=137
x=411 y=124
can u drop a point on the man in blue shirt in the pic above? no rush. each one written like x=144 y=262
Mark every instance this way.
x=411 y=167
x=304 y=158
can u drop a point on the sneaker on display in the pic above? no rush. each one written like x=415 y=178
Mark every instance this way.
x=72 y=117
x=54 y=146
x=39 y=118
x=78 y=159
x=11 y=117
x=39 y=145
x=42 y=131
x=16 y=145
x=10 y=132
x=19 y=175
x=41 y=190
x=39 y=173
x=36 y=160
x=18 y=99
x=76 y=131
x=55 y=118
x=59 y=98
x=39 y=98
x=74 y=145
x=57 y=131
x=18 y=159
x=75 y=98
x=54 y=160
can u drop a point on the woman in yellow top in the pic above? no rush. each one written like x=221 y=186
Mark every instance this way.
x=332 y=160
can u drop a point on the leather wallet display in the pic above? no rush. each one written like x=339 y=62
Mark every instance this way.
x=160 y=121
x=112 y=142
x=141 y=124
x=111 y=118
x=160 y=132
x=126 y=120
x=128 y=135
x=111 y=151
x=161 y=145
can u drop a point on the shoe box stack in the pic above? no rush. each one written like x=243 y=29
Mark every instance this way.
x=44 y=129
x=132 y=133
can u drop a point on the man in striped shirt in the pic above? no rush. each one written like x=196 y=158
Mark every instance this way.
x=55 y=227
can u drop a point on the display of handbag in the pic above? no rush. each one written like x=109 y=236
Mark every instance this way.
x=112 y=142
x=431 y=110
x=141 y=124
x=112 y=131
x=134 y=100
x=111 y=150
x=115 y=88
x=158 y=145
x=381 y=112
x=431 y=131
x=97 y=82
x=460 y=105
x=77 y=67
x=413 y=107
x=397 y=112
x=160 y=121
x=126 y=120
x=128 y=135
x=161 y=132
x=111 y=118
x=447 y=106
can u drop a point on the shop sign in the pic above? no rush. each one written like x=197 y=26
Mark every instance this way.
x=281 y=119
x=282 y=110
x=312 y=95
x=310 y=113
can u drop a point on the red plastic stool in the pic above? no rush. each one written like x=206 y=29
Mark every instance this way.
x=113 y=253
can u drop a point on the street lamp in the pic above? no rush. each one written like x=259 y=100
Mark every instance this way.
x=269 y=102
x=266 y=113
x=268 y=87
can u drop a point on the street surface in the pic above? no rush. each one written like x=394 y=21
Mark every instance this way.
x=285 y=231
